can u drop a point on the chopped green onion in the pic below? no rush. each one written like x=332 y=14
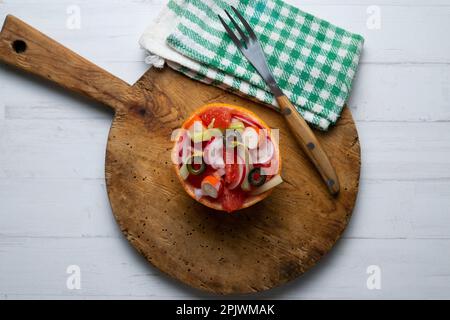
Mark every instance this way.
x=272 y=183
x=184 y=171
x=237 y=125
x=214 y=132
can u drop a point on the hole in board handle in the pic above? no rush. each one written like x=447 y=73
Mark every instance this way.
x=19 y=46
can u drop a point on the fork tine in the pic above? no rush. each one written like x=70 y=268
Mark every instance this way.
x=231 y=33
x=245 y=23
x=238 y=28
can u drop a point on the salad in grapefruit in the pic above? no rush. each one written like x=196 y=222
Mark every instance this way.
x=226 y=157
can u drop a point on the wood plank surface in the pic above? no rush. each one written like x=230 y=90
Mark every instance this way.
x=256 y=249
x=401 y=218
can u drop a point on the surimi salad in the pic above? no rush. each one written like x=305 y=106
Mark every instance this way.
x=226 y=157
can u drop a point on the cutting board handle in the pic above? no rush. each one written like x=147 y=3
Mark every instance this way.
x=24 y=47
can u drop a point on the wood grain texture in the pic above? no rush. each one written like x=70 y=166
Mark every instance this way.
x=53 y=202
x=34 y=52
x=110 y=270
x=253 y=250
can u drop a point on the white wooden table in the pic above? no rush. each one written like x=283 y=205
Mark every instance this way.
x=54 y=210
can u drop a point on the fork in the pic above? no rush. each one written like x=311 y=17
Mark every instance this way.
x=251 y=48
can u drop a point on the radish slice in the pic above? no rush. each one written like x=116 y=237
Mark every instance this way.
x=213 y=154
x=184 y=154
x=241 y=173
x=253 y=155
x=250 y=138
x=248 y=121
x=175 y=156
x=265 y=152
x=220 y=173
x=272 y=183
x=182 y=144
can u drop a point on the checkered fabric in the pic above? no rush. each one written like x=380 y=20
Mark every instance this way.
x=313 y=61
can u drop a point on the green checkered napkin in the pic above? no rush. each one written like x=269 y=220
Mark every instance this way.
x=313 y=61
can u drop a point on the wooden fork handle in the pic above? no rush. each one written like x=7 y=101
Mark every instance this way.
x=309 y=143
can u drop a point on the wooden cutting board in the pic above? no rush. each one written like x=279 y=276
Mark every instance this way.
x=256 y=249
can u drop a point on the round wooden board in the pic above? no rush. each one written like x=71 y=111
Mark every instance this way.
x=255 y=249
